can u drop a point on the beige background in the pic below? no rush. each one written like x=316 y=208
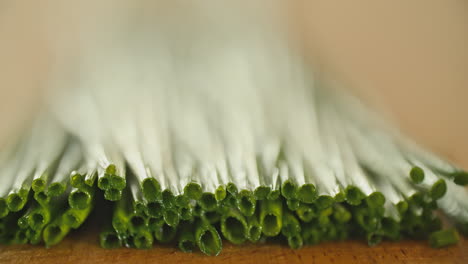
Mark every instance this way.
x=408 y=57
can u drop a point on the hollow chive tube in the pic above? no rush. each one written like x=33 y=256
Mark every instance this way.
x=354 y=195
x=341 y=214
x=154 y=223
x=109 y=239
x=375 y=200
x=20 y=237
x=438 y=189
x=416 y=174
x=323 y=219
x=165 y=233
x=374 y=238
x=213 y=217
x=55 y=232
x=254 y=230
x=207 y=238
x=246 y=202
x=295 y=241
x=220 y=193
x=324 y=201
x=38 y=217
x=391 y=228
x=234 y=226
x=291 y=226
x=186 y=237
x=271 y=213
x=288 y=184
x=81 y=198
x=193 y=190
x=306 y=212
x=143 y=239
x=111 y=179
x=293 y=204
x=69 y=161
x=34 y=236
x=121 y=215
x=154 y=209
x=76 y=217
x=310 y=234
x=366 y=219
x=85 y=176
x=171 y=216
x=208 y=201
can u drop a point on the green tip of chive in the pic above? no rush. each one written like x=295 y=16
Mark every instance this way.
x=113 y=194
x=274 y=194
x=288 y=189
x=254 y=233
x=271 y=224
x=193 y=190
x=234 y=228
x=56 y=189
x=306 y=212
x=79 y=199
x=187 y=246
x=171 y=217
x=246 y=202
x=443 y=238
x=143 y=240
x=168 y=198
x=374 y=238
x=324 y=201
x=77 y=180
x=208 y=240
x=416 y=174
x=3 y=208
x=375 y=200
x=109 y=240
x=186 y=213
x=438 y=189
x=42 y=198
x=307 y=193
x=208 y=202
x=15 y=202
x=220 y=193
x=293 y=204
x=402 y=207
x=232 y=188
x=354 y=195
x=262 y=192
x=460 y=178
x=54 y=233
x=151 y=189
x=104 y=182
x=38 y=219
x=165 y=233
x=154 y=209
x=295 y=242
x=38 y=185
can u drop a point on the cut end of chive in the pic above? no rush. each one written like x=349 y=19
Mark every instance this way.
x=109 y=240
x=274 y=194
x=113 y=194
x=143 y=240
x=186 y=213
x=375 y=200
x=187 y=246
x=443 y=238
x=54 y=233
x=3 y=208
x=209 y=242
x=42 y=198
x=220 y=193
x=271 y=225
x=417 y=174
x=295 y=242
x=193 y=190
x=15 y=202
x=168 y=198
x=232 y=188
x=305 y=212
x=151 y=189
x=262 y=192
x=104 y=182
x=182 y=201
x=38 y=185
x=117 y=182
x=288 y=190
x=71 y=219
x=165 y=233
x=340 y=197
x=324 y=201
x=208 y=202
x=354 y=195
x=154 y=209
x=373 y=239
x=438 y=189
x=171 y=217
x=246 y=203
x=460 y=178
x=234 y=229
x=56 y=189
x=37 y=220
x=79 y=200
x=137 y=223
x=293 y=204
x=77 y=180
x=254 y=233
x=307 y=193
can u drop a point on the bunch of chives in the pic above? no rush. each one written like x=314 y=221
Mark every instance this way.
x=226 y=134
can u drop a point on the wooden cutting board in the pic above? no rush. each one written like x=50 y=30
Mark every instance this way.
x=83 y=247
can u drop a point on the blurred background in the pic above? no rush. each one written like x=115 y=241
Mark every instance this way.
x=408 y=59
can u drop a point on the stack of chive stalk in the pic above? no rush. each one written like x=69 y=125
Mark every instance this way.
x=218 y=136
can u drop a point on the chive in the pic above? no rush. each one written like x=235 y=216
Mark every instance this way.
x=293 y=204
x=291 y=226
x=213 y=217
x=68 y=162
x=154 y=223
x=193 y=191
x=109 y=239
x=438 y=189
x=207 y=238
x=295 y=241
x=234 y=226
x=143 y=239
x=55 y=232
x=254 y=230
x=34 y=236
x=186 y=213
x=375 y=200
x=324 y=201
x=306 y=212
x=341 y=214
x=246 y=202
x=208 y=201
x=165 y=233
x=220 y=193
x=154 y=209
x=460 y=177
x=354 y=195
x=271 y=217
x=443 y=238
x=80 y=199
x=417 y=174
x=373 y=238
x=74 y=217
x=171 y=217
x=20 y=237
x=186 y=239
x=310 y=234
x=289 y=189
